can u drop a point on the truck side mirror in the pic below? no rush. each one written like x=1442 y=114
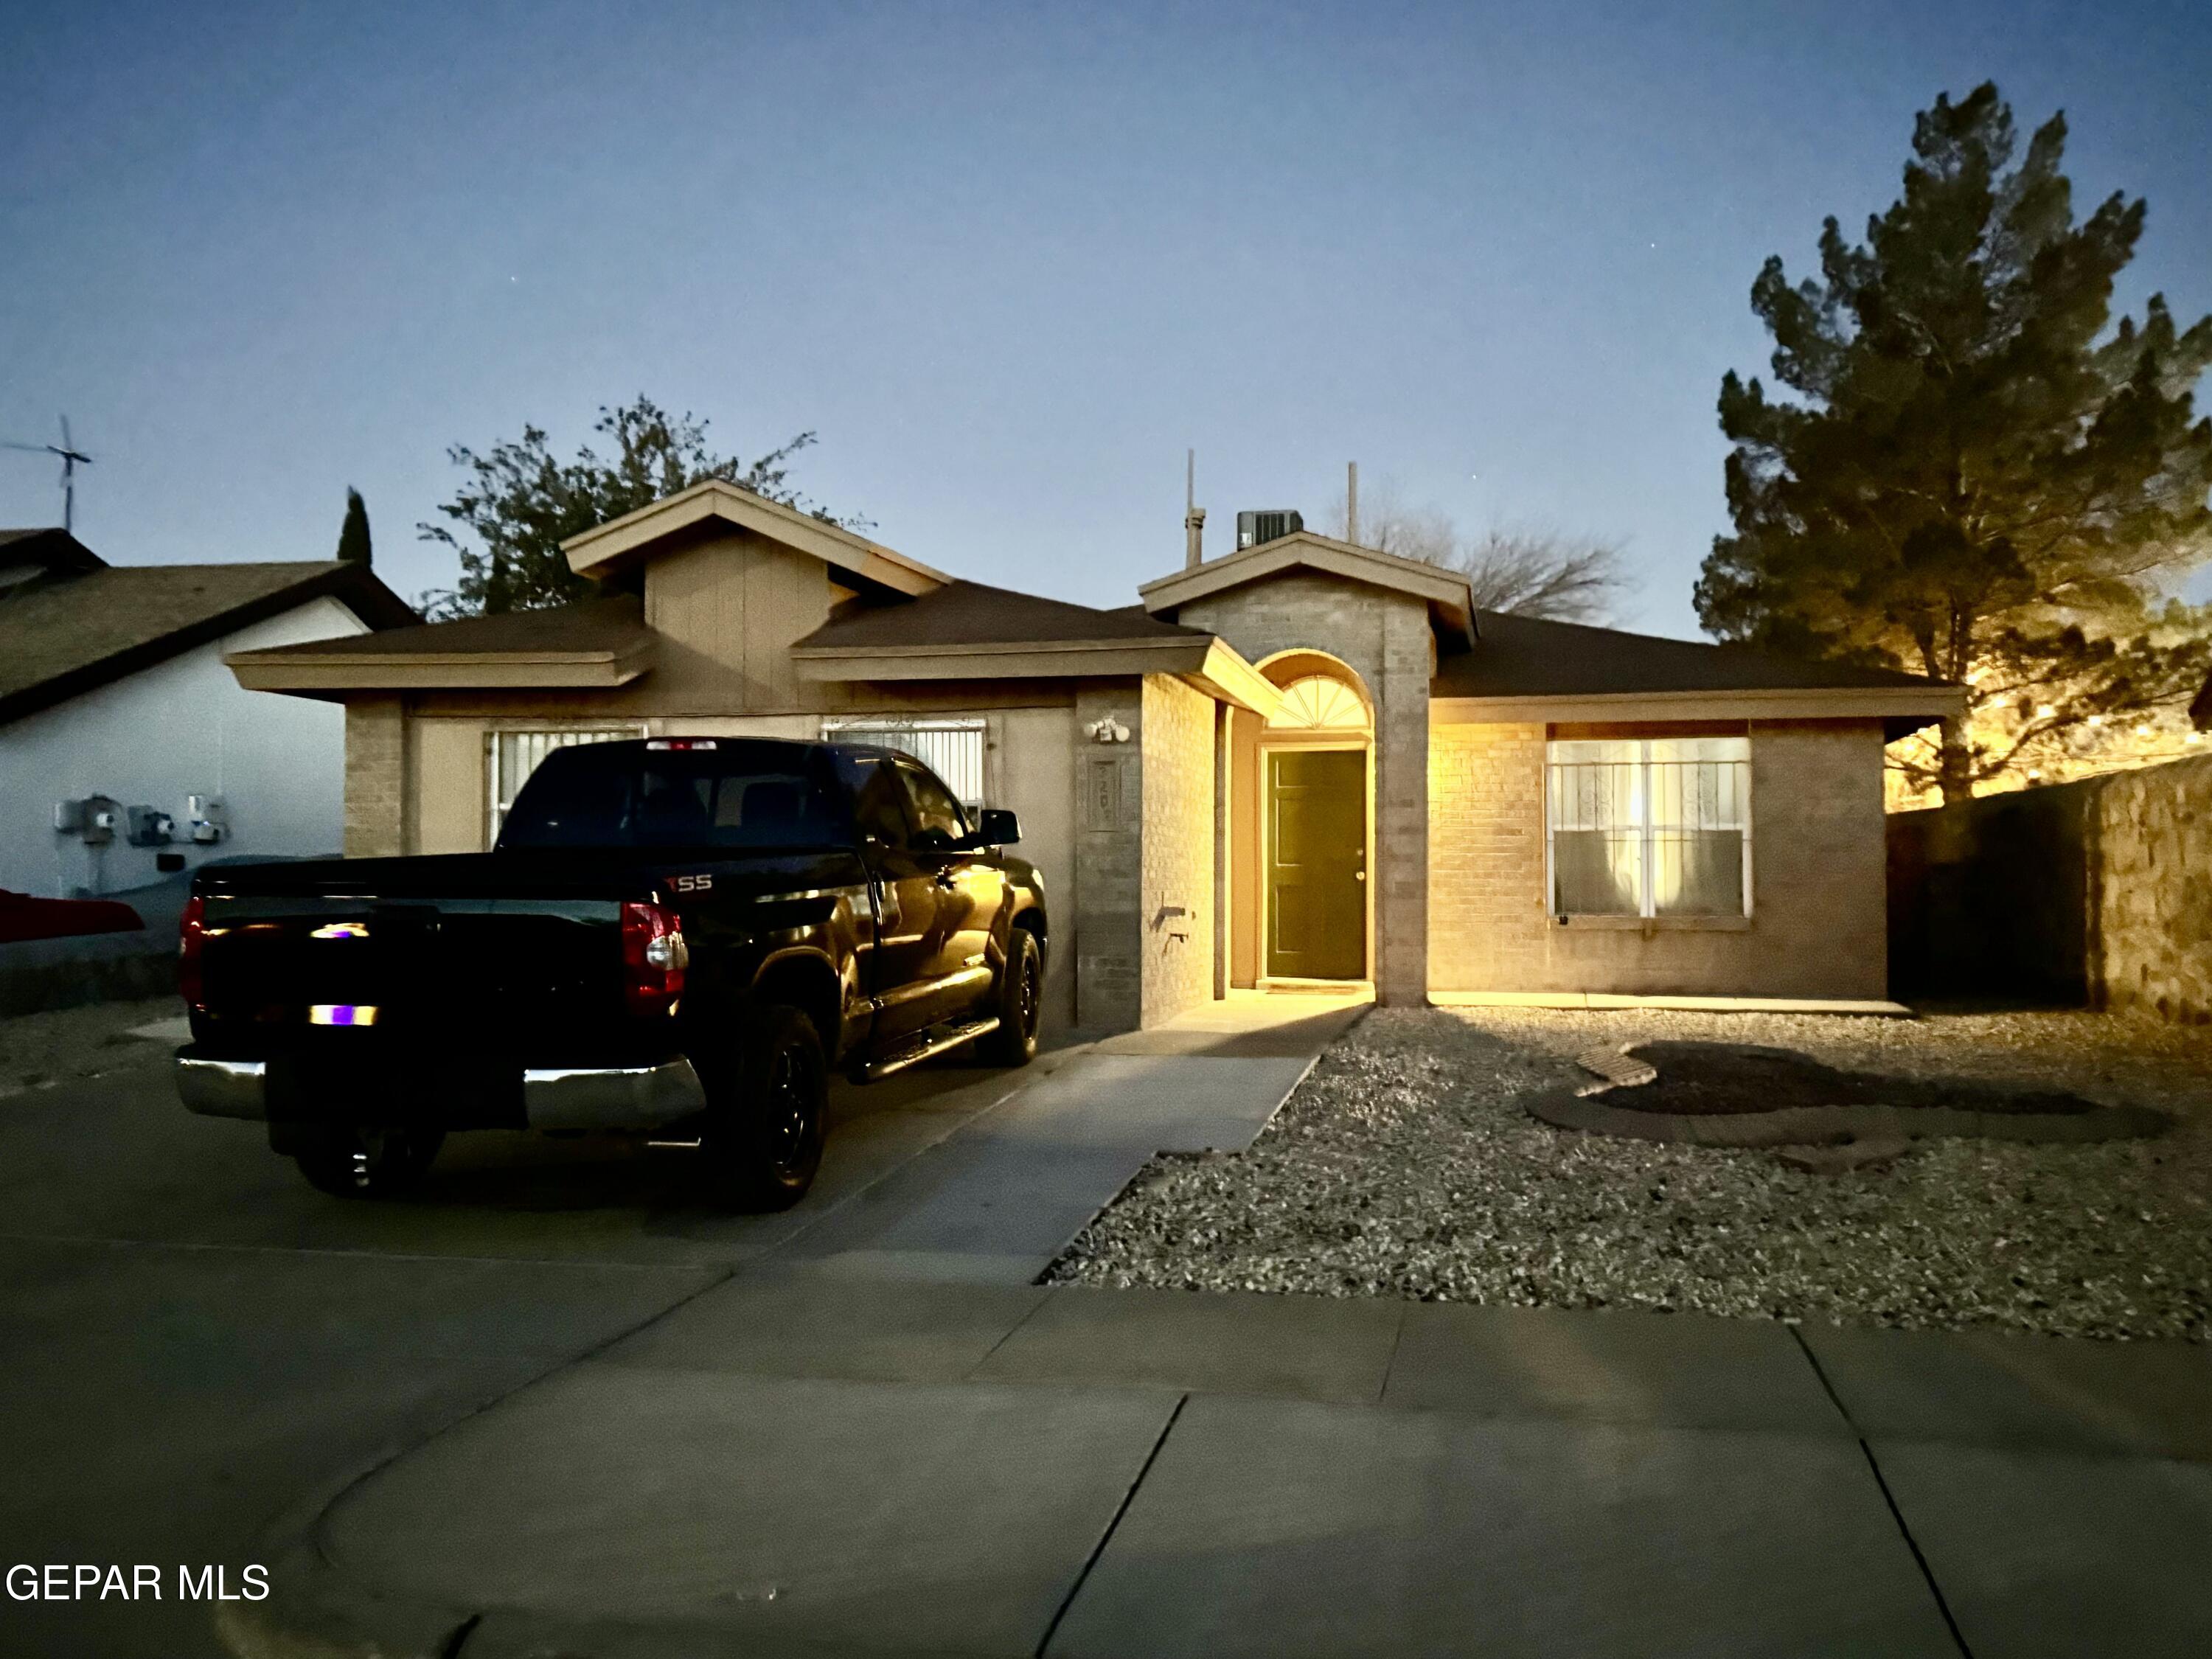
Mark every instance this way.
x=999 y=828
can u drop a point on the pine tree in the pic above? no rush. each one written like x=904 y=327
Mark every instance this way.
x=353 y=535
x=1980 y=481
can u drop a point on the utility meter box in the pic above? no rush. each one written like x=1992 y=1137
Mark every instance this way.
x=144 y=827
x=100 y=818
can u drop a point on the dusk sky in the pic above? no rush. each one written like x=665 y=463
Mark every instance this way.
x=1007 y=262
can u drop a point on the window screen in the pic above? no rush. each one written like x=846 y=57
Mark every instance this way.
x=512 y=756
x=1650 y=827
x=953 y=749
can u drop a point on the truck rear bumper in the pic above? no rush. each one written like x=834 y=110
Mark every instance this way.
x=564 y=1097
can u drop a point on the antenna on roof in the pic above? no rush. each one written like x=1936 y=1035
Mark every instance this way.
x=70 y=455
x=1194 y=515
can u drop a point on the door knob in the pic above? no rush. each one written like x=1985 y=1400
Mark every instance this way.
x=1359 y=875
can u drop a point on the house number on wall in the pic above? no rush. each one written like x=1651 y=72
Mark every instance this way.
x=1102 y=793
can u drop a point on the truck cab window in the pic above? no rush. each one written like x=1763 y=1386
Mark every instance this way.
x=879 y=811
x=939 y=822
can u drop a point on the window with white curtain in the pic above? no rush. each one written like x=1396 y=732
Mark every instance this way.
x=1649 y=827
x=953 y=749
x=511 y=757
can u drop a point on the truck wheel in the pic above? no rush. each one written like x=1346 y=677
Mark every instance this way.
x=1019 y=1003
x=765 y=1112
x=352 y=1162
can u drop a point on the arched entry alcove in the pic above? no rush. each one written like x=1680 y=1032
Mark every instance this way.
x=1304 y=781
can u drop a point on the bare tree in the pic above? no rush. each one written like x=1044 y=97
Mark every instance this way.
x=1532 y=572
x=1543 y=573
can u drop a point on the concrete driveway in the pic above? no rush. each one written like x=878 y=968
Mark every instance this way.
x=549 y=1408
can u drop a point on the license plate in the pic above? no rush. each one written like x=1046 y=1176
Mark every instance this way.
x=342 y=1013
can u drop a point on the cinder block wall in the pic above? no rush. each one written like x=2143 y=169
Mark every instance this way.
x=2154 y=890
x=1109 y=819
x=376 y=778
x=2097 y=891
x=1818 y=925
x=1178 y=857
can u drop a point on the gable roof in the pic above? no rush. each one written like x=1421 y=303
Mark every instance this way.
x=1530 y=659
x=1450 y=602
x=599 y=642
x=689 y=514
x=971 y=630
x=967 y=614
x=62 y=637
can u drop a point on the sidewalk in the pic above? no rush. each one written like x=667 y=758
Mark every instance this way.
x=884 y=1439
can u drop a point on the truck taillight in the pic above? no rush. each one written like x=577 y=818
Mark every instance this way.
x=191 y=937
x=654 y=957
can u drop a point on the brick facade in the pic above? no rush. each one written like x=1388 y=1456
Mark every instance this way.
x=1818 y=926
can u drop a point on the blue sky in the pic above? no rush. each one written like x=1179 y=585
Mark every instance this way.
x=1007 y=261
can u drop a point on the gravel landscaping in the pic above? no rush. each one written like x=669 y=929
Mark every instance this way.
x=1405 y=1165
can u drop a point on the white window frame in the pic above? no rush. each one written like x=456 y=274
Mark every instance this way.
x=500 y=792
x=938 y=742
x=1650 y=831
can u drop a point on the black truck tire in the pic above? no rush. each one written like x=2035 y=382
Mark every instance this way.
x=1019 y=1001
x=766 y=1106
x=351 y=1162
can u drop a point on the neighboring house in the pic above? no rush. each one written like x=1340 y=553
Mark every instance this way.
x=1302 y=761
x=113 y=696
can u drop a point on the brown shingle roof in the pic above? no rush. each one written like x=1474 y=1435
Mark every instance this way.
x=1525 y=656
x=971 y=613
x=610 y=624
x=59 y=639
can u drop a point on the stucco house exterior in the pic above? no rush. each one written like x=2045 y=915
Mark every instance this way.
x=1302 y=761
x=113 y=689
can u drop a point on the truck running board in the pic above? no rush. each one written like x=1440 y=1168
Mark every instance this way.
x=927 y=1045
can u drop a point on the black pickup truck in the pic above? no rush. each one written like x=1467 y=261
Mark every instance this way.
x=680 y=937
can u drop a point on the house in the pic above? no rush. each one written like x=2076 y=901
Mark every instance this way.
x=1302 y=761
x=117 y=713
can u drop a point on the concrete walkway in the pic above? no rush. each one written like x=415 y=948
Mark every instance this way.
x=882 y=1437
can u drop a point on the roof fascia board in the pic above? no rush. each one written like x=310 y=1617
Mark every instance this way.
x=1053 y=660
x=1933 y=702
x=1226 y=676
x=428 y=670
x=602 y=546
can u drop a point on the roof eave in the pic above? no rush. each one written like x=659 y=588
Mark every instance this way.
x=1902 y=710
x=1202 y=660
x=337 y=674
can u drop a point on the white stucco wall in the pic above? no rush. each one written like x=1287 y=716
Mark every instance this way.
x=179 y=728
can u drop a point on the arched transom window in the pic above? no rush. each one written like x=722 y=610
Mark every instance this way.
x=1319 y=704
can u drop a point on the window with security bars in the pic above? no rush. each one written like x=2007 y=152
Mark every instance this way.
x=1649 y=827
x=511 y=757
x=953 y=749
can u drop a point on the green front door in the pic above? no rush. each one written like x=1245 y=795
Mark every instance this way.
x=1316 y=864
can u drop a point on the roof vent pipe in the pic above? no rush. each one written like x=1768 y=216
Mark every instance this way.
x=1194 y=516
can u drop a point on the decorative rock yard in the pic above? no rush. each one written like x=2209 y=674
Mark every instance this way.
x=2059 y=1175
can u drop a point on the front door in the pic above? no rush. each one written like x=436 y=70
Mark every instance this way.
x=1316 y=864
